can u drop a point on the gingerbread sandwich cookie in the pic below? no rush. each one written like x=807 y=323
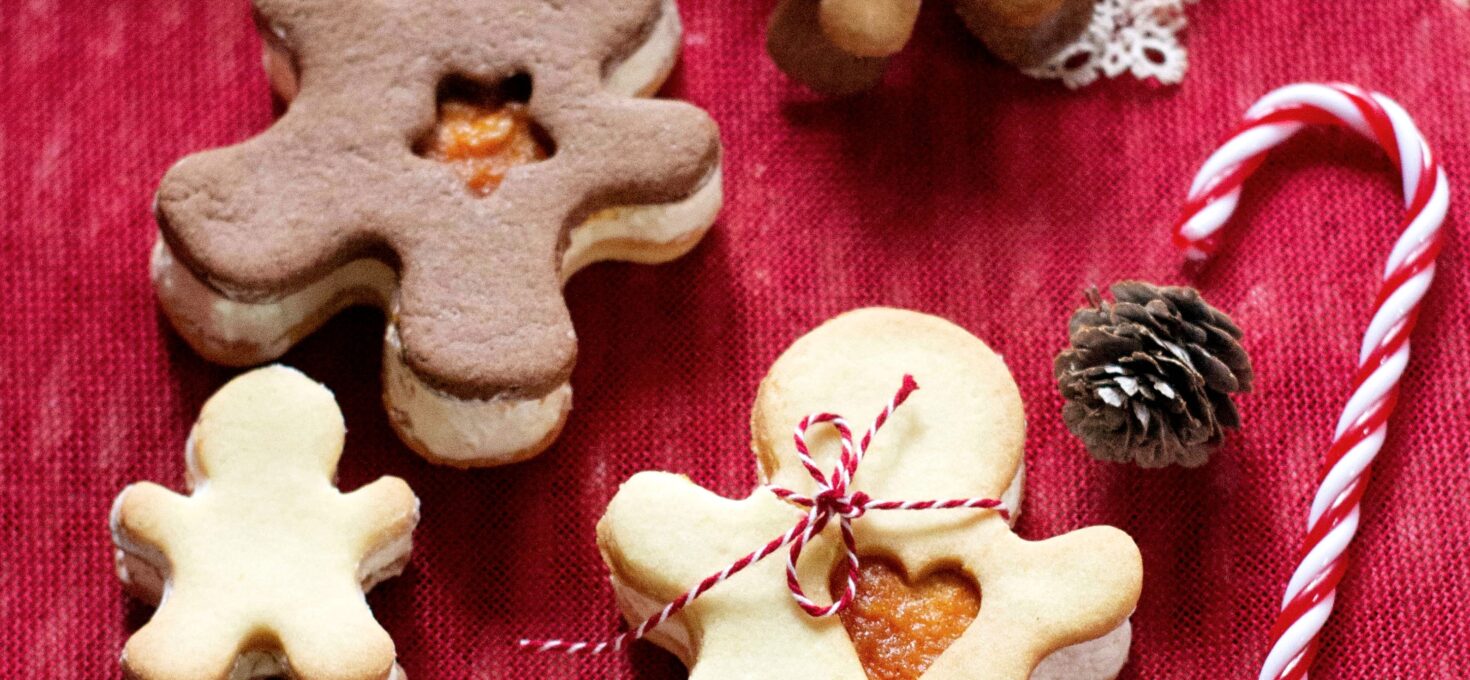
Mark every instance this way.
x=452 y=162
x=943 y=589
x=260 y=571
x=841 y=46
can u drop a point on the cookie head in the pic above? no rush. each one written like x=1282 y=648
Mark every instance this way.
x=961 y=434
x=267 y=425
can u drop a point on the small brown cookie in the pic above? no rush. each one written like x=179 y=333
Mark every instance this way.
x=1051 y=609
x=451 y=161
x=796 y=42
x=260 y=571
x=1026 y=32
x=839 y=47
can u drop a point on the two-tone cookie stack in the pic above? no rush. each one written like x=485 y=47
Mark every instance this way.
x=454 y=172
x=451 y=162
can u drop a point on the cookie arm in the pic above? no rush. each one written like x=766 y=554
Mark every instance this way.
x=382 y=511
x=1042 y=596
x=144 y=516
x=264 y=216
x=662 y=534
x=641 y=151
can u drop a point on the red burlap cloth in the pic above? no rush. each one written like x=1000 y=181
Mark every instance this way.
x=959 y=188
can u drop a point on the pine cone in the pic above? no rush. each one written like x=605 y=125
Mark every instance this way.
x=1148 y=378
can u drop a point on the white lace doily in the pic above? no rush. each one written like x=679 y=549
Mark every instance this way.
x=1140 y=37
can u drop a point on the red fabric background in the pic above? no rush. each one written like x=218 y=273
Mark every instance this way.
x=958 y=188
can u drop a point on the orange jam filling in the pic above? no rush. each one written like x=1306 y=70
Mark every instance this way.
x=899 y=628
x=483 y=139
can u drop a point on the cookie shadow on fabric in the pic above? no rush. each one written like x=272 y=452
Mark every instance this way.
x=651 y=663
x=194 y=378
x=678 y=338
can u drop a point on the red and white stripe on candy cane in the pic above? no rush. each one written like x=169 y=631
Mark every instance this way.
x=1333 y=521
x=833 y=500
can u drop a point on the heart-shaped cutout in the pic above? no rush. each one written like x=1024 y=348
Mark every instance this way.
x=899 y=627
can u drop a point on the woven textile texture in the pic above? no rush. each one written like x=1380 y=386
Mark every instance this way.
x=959 y=187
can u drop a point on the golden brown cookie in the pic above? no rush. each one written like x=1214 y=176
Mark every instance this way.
x=260 y=571
x=795 y=41
x=452 y=162
x=1056 y=608
x=841 y=46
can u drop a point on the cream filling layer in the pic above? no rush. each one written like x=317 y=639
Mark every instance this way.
x=643 y=71
x=1096 y=659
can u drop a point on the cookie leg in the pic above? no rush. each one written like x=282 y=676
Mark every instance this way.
x=235 y=333
x=183 y=642
x=352 y=648
x=647 y=234
x=466 y=432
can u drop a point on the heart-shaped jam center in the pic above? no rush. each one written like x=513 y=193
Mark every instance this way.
x=484 y=132
x=899 y=627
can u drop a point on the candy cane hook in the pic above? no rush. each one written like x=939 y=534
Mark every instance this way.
x=1360 y=432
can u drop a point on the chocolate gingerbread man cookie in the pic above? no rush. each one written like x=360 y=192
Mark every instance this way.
x=841 y=46
x=452 y=162
x=941 y=593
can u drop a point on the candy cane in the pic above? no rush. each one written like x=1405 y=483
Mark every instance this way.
x=1333 y=521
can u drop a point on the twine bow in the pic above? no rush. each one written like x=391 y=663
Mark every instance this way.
x=833 y=499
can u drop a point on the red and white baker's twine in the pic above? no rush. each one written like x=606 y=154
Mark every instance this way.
x=832 y=500
x=1333 y=521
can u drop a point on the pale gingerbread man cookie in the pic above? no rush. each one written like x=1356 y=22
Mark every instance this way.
x=451 y=162
x=260 y=572
x=1056 y=608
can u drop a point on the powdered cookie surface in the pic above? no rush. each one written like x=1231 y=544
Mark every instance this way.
x=260 y=572
x=941 y=594
x=480 y=151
